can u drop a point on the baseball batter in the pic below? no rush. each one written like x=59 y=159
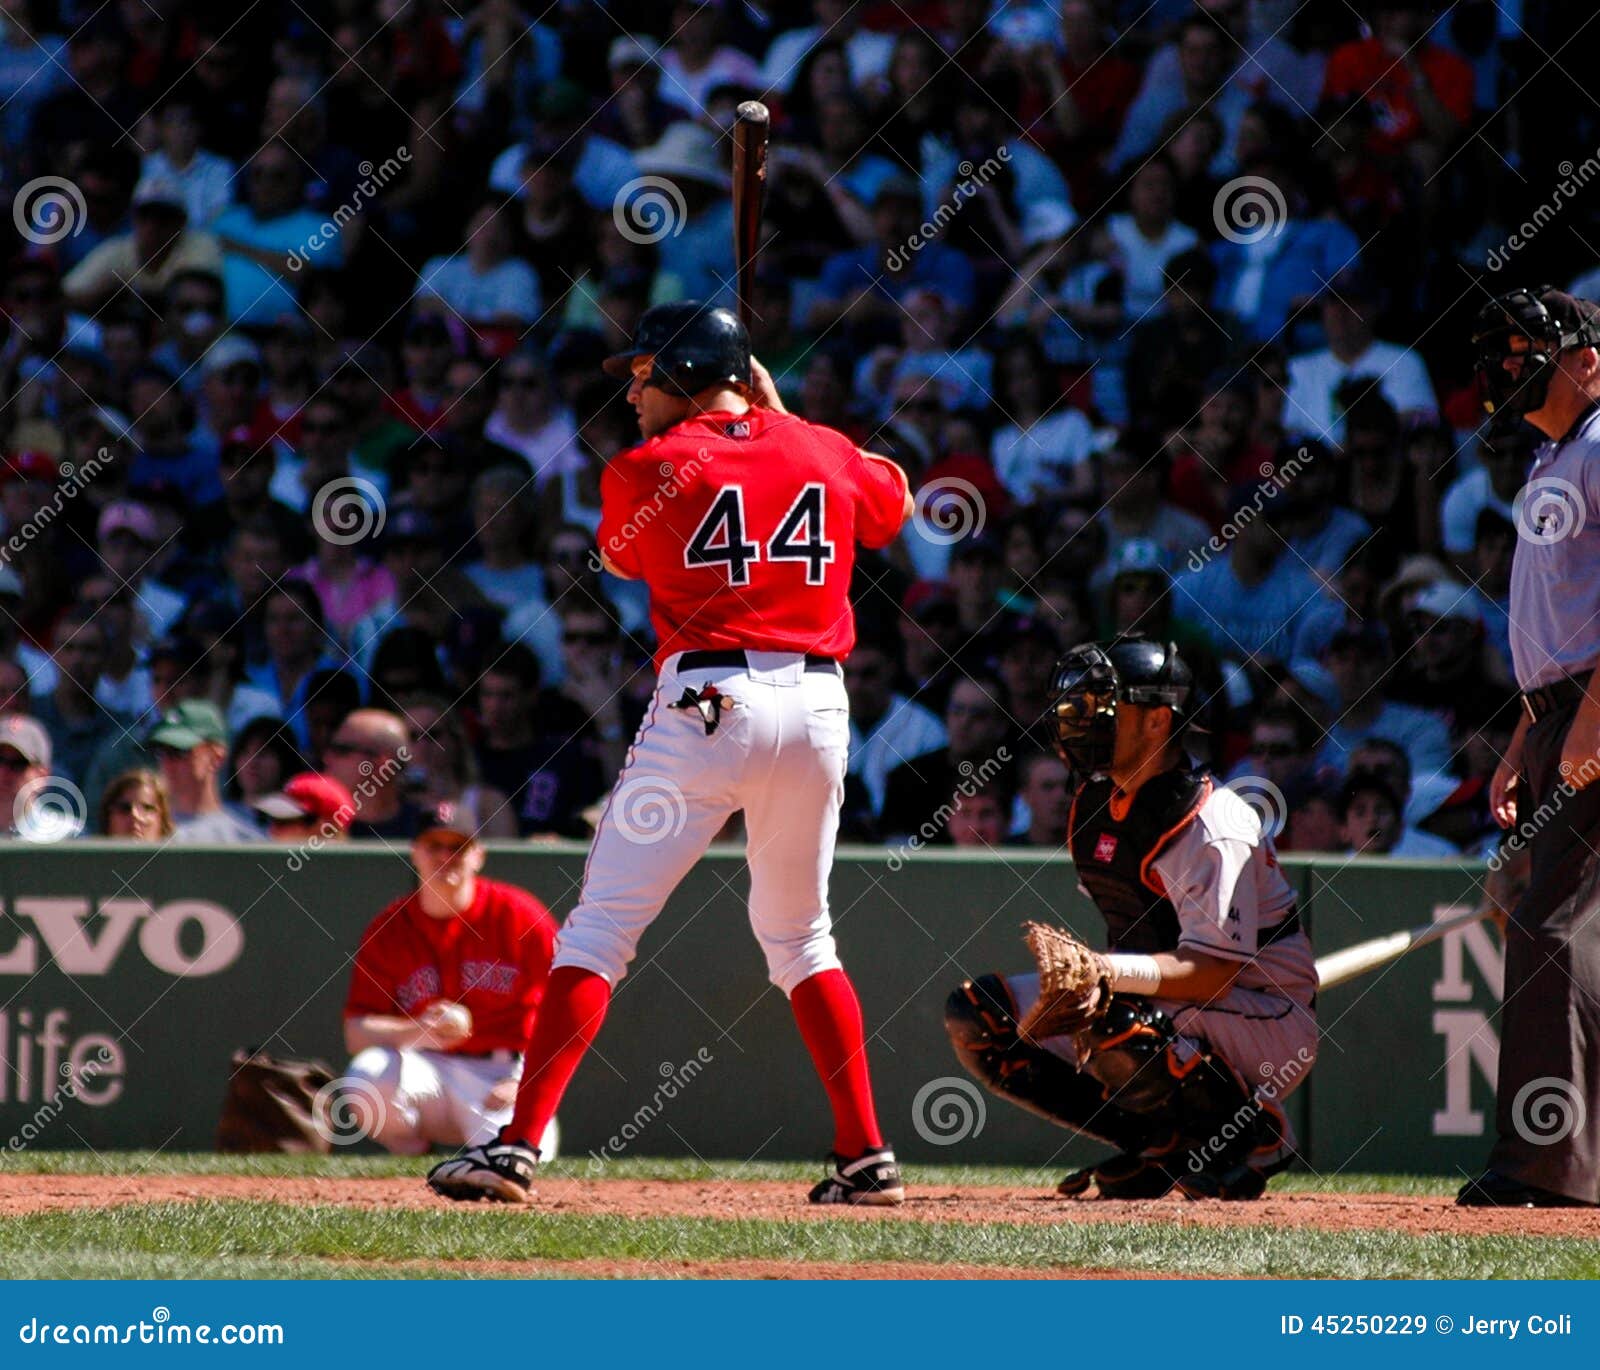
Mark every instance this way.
x=742 y=521
x=446 y=985
x=1199 y=1021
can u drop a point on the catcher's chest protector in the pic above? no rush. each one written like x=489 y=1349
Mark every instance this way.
x=1113 y=847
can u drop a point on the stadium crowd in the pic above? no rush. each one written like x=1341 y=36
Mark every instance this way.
x=1162 y=302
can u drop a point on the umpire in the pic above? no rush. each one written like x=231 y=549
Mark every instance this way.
x=1537 y=358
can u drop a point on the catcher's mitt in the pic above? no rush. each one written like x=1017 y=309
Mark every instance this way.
x=1072 y=983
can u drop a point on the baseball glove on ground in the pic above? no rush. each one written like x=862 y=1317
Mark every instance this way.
x=1072 y=983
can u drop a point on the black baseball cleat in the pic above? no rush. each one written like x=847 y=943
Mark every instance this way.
x=870 y=1178
x=501 y=1172
x=1124 y=1176
x=1494 y=1190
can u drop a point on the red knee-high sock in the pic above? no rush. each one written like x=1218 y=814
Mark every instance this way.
x=574 y=1006
x=829 y=1014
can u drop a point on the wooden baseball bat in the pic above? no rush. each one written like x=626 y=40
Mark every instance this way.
x=1339 y=967
x=751 y=129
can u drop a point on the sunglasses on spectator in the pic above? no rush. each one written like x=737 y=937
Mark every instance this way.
x=595 y=637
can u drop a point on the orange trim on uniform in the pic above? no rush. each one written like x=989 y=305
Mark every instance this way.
x=1119 y=810
x=1145 y=872
x=1173 y=1067
x=1137 y=1030
x=1072 y=815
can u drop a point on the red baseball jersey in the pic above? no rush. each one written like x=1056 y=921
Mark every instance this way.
x=494 y=959
x=744 y=527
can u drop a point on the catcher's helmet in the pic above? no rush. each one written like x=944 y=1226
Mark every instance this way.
x=695 y=346
x=1091 y=679
x=1548 y=322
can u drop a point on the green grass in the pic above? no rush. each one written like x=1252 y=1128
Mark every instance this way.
x=347 y=1166
x=235 y=1239
x=223 y=1239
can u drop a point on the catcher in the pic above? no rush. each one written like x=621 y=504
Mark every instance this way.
x=1177 y=1045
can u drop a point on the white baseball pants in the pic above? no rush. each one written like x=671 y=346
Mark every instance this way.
x=411 y=1099
x=779 y=755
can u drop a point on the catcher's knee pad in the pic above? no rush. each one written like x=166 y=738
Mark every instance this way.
x=980 y=1017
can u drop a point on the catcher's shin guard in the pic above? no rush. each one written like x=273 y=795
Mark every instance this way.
x=981 y=1019
x=1221 y=1141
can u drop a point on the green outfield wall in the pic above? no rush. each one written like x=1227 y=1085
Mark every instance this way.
x=128 y=977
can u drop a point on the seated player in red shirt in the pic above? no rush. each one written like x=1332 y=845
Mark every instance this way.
x=446 y=985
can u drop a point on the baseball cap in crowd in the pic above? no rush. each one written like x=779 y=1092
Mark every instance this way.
x=687 y=151
x=1046 y=220
x=178 y=647
x=1447 y=599
x=1139 y=557
x=26 y=736
x=127 y=517
x=186 y=727
x=161 y=191
x=230 y=350
x=632 y=50
x=309 y=795
x=30 y=465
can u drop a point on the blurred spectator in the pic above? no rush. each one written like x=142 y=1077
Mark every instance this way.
x=525 y=747
x=1042 y=448
x=530 y=420
x=368 y=755
x=483 y=283
x=1046 y=791
x=77 y=723
x=1504 y=453
x=323 y=454
x=308 y=807
x=1358 y=663
x=25 y=760
x=503 y=518
x=190 y=744
x=1369 y=816
x=978 y=816
x=886 y=728
x=262 y=757
x=696 y=61
x=1132 y=476
x=204 y=179
x=145 y=260
x=269 y=236
x=135 y=807
x=443 y=772
x=1206 y=55
x=977 y=729
x=297 y=646
x=1349 y=319
x=129 y=542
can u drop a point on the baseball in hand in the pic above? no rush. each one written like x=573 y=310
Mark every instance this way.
x=449 y=1022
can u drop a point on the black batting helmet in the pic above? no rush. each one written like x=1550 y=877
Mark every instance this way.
x=1092 y=679
x=695 y=346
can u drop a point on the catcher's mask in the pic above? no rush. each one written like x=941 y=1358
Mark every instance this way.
x=1090 y=681
x=1522 y=314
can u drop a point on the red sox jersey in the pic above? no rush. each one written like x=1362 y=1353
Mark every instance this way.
x=744 y=528
x=494 y=959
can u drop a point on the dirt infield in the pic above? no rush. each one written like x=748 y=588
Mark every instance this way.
x=23 y=1194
